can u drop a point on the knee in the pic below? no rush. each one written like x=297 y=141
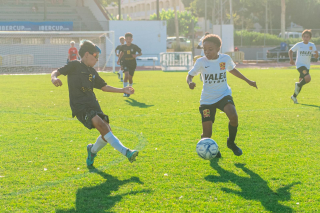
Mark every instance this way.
x=233 y=119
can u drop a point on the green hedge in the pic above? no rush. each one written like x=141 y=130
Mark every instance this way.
x=260 y=39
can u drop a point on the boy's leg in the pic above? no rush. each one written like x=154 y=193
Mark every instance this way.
x=231 y=112
x=303 y=79
x=104 y=128
x=206 y=129
x=125 y=81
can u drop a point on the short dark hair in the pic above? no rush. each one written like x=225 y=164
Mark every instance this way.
x=307 y=32
x=128 y=35
x=207 y=33
x=88 y=46
x=214 y=39
x=121 y=37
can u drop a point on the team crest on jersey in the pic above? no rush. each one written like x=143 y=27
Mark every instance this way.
x=206 y=113
x=310 y=48
x=222 y=66
x=304 y=71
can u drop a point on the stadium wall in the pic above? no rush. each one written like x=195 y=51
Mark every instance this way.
x=97 y=13
x=150 y=36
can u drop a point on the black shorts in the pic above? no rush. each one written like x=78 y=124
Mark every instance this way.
x=129 y=67
x=85 y=117
x=303 y=71
x=208 y=112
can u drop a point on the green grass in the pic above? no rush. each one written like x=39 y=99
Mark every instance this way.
x=278 y=172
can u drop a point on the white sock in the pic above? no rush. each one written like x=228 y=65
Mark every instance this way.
x=99 y=144
x=130 y=85
x=121 y=74
x=115 y=143
x=125 y=84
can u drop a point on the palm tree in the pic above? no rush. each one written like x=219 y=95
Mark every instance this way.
x=283 y=18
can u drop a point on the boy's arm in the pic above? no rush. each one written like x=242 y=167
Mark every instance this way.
x=120 y=56
x=238 y=74
x=191 y=84
x=127 y=90
x=316 y=54
x=54 y=78
x=291 y=57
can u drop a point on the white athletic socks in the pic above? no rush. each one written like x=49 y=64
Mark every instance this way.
x=115 y=143
x=130 y=85
x=125 y=84
x=99 y=144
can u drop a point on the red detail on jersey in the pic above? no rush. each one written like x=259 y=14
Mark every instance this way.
x=222 y=66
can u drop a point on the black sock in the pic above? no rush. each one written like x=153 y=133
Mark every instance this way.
x=294 y=95
x=303 y=82
x=232 y=133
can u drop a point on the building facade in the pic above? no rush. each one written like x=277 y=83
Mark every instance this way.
x=142 y=9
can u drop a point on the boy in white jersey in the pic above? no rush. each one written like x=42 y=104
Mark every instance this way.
x=305 y=50
x=216 y=93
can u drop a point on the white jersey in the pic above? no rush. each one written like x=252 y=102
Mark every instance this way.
x=214 y=77
x=304 y=53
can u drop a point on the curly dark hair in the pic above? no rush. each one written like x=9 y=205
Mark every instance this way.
x=214 y=39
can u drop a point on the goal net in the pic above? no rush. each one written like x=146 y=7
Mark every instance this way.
x=43 y=52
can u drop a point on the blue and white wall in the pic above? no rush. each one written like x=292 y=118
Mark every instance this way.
x=150 y=36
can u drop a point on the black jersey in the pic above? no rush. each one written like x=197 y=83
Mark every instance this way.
x=81 y=81
x=118 y=48
x=128 y=51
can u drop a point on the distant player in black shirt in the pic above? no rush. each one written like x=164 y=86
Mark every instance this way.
x=82 y=78
x=128 y=56
x=117 y=51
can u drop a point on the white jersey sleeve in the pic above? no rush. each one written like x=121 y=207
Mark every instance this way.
x=295 y=47
x=197 y=68
x=230 y=64
x=314 y=47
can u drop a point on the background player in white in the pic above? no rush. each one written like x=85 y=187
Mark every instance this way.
x=117 y=51
x=304 y=50
x=216 y=93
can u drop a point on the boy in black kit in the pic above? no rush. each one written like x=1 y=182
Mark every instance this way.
x=117 y=51
x=82 y=78
x=128 y=56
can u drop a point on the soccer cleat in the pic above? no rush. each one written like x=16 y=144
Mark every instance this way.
x=131 y=155
x=294 y=99
x=297 y=88
x=236 y=150
x=118 y=75
x=218 y=155
x=91 y=156
x=121 y=80
x=128 y=95
x=124 y=95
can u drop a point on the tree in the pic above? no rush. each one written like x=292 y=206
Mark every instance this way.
x=185 y=20
x=176 y=24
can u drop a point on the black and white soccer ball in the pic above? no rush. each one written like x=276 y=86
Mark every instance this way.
x=207 y=148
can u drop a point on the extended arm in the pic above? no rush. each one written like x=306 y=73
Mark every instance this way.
x=127 y=90
x=238 y=74
x=191 y=84
x=54 y=78
x=137 y=55
x=316 y=54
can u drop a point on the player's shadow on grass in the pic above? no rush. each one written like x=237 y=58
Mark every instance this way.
x=135 y=103
x=253 y=187
x=311 y=105
x=98 y=198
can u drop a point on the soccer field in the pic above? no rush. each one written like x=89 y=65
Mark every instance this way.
x=43 y=149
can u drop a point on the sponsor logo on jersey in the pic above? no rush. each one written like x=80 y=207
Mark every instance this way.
x=222 y=66
x=213 y=78
x=90 y=77
x=206 y=113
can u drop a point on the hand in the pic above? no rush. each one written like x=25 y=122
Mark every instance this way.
x=192 y=85
x=128 y=90
x=118 y=62
x=292 y=62
x=134 y=56
x=253 y=84
x=56 y=81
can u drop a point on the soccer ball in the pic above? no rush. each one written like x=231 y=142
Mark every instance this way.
x=207 y=148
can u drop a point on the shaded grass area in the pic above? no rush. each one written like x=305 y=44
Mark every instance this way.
x=44 y=149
